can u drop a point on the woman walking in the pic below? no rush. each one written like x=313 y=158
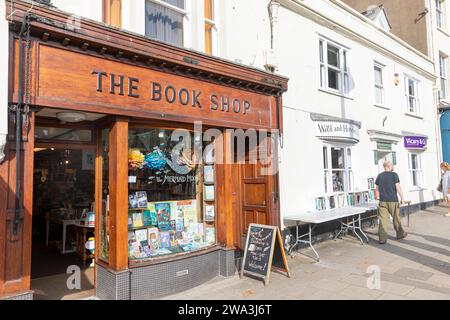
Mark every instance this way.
x=445 y=167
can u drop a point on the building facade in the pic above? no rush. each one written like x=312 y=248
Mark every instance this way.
x=358 y=95
x=424 y=25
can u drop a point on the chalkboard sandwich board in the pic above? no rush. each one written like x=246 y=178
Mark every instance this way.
x=263 y=252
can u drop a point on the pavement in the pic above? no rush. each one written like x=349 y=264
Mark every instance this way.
x=416 y=268
x=55 y=287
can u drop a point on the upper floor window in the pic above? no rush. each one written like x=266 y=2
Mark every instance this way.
x=209 y=25
x=334 y=74
x=379 y=88
x=412 y=96
x=164 y=20
x=443 y=93
x=439 y=13
x=112 y=12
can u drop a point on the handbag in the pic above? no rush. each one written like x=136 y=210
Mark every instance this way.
x=439 y=187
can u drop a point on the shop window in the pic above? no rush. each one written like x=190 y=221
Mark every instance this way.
x=338 y=171
x=104 y=214
x=171 y=194
x=209 y=26
x=443 y=77
x=334 y=75
x=164 y=20
x=379 y=88
x=415 y=169
x=412 y=96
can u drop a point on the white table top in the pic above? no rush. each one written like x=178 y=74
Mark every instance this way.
x=330 y=215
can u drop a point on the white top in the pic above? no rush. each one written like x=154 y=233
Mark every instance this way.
x=446 y=183
x=330 y=215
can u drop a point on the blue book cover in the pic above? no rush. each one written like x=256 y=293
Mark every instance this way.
x=163 y=212
x=149 y=218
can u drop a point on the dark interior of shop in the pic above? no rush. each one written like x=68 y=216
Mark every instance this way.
x=61 y=189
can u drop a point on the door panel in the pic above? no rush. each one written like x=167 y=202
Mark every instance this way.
x=255 y=194
x=254 y=199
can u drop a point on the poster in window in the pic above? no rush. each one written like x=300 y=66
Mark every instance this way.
x=210 y=235
x=186 y=214
x=209 y=193
x=208 y=172
x=210 y=213
x=209 y=154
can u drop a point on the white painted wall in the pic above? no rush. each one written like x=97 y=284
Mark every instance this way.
x=3 y=78
x=300 y=24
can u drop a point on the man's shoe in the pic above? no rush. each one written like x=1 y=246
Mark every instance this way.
x=382 y=242
x=405 y=234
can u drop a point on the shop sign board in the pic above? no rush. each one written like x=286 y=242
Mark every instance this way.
x=415 y=142
x=94 y=84
x=330 y=130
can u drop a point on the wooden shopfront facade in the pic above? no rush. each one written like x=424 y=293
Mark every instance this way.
x=143 y=92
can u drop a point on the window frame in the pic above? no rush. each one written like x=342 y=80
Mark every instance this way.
x=443 y=76
x=416 y=96
x=342 y=69
x=416 y=173
x=212 y=23
x=440 y=14
x=184 y=12
x=379 y=86
x=328 y=169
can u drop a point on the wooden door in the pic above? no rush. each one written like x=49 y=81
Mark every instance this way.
x=255 y=199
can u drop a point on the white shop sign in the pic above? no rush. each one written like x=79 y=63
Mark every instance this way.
x=335 y=130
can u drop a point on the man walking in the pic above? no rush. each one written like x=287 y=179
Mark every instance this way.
x=388 y=185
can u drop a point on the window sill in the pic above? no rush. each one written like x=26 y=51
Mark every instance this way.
x=443 y=31
x=174 y=257
x=413 y=115
x=381 y=107
x=335 y=93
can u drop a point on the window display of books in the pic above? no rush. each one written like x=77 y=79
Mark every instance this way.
x=165 y=228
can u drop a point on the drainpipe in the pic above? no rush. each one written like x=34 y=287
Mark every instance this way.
x=4 y=30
